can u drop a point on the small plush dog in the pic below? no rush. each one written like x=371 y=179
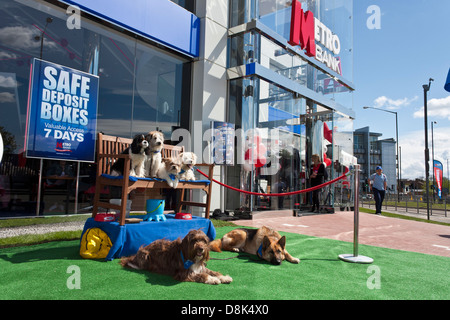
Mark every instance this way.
x=153 y=152
x=184 y=260
x=264 y=242
x=137 y=154
x=187 y=160
x=169 y=171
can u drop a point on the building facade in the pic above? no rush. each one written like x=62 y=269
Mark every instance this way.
x=281 y=72
x=371 y=152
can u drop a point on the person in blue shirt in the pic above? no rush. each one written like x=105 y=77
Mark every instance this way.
x=378 y=185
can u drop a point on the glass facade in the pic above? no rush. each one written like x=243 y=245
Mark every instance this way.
x=295 y=105
x=142 y=88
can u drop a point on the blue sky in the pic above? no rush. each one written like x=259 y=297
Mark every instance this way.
x=390 y=66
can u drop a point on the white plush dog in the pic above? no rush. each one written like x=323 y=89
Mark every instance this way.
x=169 y=170
x=153 y=153
x=187 y=160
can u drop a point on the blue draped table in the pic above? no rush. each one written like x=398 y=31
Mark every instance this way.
x=127 y=239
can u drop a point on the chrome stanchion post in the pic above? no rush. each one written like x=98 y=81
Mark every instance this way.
x=355 y=257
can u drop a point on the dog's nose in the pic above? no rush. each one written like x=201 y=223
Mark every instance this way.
x=276 y=261
x=158 y=143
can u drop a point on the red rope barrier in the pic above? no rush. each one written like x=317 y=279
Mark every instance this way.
x=277 y=194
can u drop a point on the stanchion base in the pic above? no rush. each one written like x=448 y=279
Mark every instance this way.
x=357 y=259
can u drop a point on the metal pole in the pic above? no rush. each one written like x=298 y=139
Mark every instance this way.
x=77 y=182
x=427 y=151
x=355 y=257
x=356 y=213
x=38 y=202
x=397 y=158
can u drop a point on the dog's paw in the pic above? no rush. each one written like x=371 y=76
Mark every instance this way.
x=295 y=260
x=212 y=280
x=225 y=279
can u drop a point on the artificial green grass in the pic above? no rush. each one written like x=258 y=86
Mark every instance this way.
x=41 y=272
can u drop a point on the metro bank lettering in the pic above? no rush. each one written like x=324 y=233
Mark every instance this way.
x=306 y=30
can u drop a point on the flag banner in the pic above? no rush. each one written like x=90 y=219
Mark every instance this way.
x=438 y=174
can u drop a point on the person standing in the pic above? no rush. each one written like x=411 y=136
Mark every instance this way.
x=317 y=176
x=378 y=185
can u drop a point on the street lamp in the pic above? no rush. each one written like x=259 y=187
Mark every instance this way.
x=396 y=142
x=41 y=37
x=426 y=88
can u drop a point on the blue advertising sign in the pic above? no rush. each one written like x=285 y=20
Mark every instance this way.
x=62 y=113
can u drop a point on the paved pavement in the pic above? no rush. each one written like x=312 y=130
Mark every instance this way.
x=374 y=230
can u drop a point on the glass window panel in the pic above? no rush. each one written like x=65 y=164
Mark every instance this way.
x=116 y=72
x=158 y=92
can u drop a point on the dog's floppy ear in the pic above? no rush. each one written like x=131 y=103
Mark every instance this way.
x=282 y=242
x=206 y=254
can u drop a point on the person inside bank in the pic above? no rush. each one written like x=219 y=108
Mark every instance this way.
x=317 y=175
x=378 y=185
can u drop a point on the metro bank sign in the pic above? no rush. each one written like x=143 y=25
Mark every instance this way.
x=308 y=32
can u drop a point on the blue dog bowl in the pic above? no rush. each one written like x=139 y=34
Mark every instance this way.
x=155 y=210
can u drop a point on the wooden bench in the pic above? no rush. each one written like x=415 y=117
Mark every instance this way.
x=109 y=149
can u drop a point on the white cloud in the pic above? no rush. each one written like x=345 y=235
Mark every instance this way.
x=7 y=82
x=23 y=38
x=439 y=108
x=6 y=97
x=413 y=151
x=392 y=104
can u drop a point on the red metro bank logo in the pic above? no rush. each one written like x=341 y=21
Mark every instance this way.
x=307 y=30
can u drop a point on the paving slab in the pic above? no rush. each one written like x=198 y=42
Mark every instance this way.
x=374 y=230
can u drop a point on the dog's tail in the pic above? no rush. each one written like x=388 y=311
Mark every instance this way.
x=216 y=245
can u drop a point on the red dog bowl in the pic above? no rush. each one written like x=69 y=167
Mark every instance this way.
x=183 y=215
x=105 y=217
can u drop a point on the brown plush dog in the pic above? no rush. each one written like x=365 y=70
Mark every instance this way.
x=184 y=260
x=264 y=242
